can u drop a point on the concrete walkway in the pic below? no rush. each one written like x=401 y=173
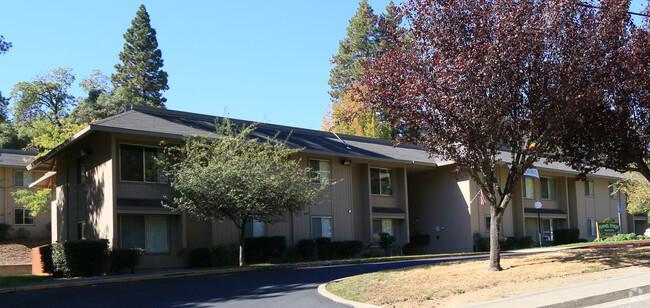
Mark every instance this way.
x=582 y=295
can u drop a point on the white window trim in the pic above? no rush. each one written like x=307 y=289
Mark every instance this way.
x=23 y=223
x=392 y=182
x=119 y=154
x=615 y=197
x=592 y=219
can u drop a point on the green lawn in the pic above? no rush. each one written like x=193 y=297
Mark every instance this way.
x=23 y=279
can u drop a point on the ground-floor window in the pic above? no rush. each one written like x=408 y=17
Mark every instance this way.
x=591 y=226
x=23 y=217
x=150 y=232
x=321 y=227
x=256 y=229
x=382 y=226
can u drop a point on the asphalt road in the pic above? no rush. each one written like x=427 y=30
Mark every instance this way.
x=273 y=288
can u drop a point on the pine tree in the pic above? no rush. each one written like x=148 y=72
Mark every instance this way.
x=366 y=34
x=141 y=69
x=359 y=44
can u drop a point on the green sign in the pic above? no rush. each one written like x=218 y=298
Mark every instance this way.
x=607 y=228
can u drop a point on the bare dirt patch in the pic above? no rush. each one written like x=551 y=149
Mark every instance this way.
x=19 y=251
x=467 y=282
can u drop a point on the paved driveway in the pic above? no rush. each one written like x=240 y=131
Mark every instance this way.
x=274 y=288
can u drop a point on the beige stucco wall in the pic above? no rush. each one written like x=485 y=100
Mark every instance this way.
x=41 y=226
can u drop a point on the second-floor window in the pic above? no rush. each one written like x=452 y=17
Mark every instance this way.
x=589 y=188
x=381 y=181
x=529 y=188
x=138 y=164
x=613 y=190
x=548 y=188
x=321 y=171
x=23 y=178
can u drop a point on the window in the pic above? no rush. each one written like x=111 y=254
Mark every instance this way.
x=23 y=178
x=548 y=188
x=138 y=164
x=381 y=182
x=149 y=232
x=488 y=221
x=256 y=229
x=321 y=227
x=81 y=177
x=591 y=226
x=529 y=188
x=381 y=226
x=613 y=190
x=23 y=217
x=589 y=188
x=320 y=171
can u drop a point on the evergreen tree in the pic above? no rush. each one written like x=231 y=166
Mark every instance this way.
x=359 y=44
x=141 y=69
x=366 y=34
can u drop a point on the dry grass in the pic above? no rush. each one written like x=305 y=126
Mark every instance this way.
x=466 y=282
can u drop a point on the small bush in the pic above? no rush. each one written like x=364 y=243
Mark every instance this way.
x=21 y=233
x=305 y=250
x=199 y=257
x=46 y=259
x=222 y=256
x=265 y=249
x=506 y=243
x=386 y=242
x=526 y=242
x=80 y=258
x=4 y=228
x=125 y=258
x=566 y=236
x=324 y=248
x=347 y=249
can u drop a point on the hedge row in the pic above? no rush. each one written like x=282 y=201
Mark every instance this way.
x=274 y=249
x=506 y=243
x=87 y=258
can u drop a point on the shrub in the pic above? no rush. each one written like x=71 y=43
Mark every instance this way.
x=386 y=242
x=484 y=244
x=4 y=228
x=125 y=258
x=305 y=249
x=526 y=242
x=21 y=233
x=199 y=257
x=46 y=259
x=347 y=249
x=80 y=258
x=265 y=249
x=224 y=256
x=324 y=248
x=506 y=243
x=566 y=236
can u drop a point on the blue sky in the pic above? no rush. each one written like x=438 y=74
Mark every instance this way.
x=264 y=61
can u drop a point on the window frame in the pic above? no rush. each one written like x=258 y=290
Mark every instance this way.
x=390 y=182
x=144 y=235
x=591 y=227
x=23 y=178
x=251 y=224
x=549 y=196
x=590 y=188
x=488 y=222
x=161 y=178
x=24 y=217
x=525 y=190
x=613 y=194
x=319 y=172
x=393 y=228
x=321 y=217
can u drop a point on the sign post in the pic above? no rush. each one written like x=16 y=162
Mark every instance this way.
x=619 y=215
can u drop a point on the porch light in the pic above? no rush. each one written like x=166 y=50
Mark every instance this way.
x=538 y=206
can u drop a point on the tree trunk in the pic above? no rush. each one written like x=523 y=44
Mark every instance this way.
x=242 y=241
x=495 y=235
